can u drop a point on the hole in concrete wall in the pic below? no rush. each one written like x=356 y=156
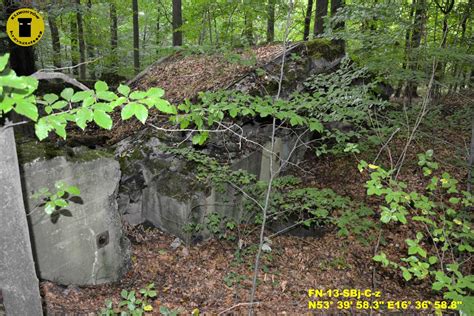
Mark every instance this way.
x=102 y=239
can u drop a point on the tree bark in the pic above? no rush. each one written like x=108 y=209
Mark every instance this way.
x=418 y=26
x=113 y=32
x=89 y=47
x=307 y=20
x=248 y=29
x=321 y=13
x=74 y=47
x=271 y=21
x=22 y=59
x=18 y=280
x=177 y=23
x=336 y=5
x=136 y=37
x=157 y=35
x=82 y=45
x=54 y=38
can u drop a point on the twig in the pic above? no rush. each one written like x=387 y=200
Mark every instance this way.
x=237 y=305
x=40 y=75
x=272 y=173
x=69 y=67
x=10 y=124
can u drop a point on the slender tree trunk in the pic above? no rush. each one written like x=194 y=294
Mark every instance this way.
x=177 y=23
x=113 y=33
x=136 y=37
x=307 y=20
x=89 y=46
x=157 y=35
x=74 y=47
x=248 y=29
x=82 y=45
x=336 y=5
x=418 y=27
x=470 y=180
x=55 y=38
x=271 y=21
x=321 y=13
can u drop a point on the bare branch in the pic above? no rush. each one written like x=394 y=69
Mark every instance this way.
x=40 y=75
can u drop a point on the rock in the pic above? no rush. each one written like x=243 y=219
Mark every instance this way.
x=175 y=244
x=85 y=243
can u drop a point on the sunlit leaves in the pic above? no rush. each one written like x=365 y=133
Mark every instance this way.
x=27 y=109
x=101 y=86
x=67 y=94
x=102 y=119
x=135 y=109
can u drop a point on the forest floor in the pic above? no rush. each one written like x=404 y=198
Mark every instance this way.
x=210 y=276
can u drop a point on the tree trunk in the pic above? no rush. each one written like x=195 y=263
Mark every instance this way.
x=177 y=23
x=418 y=26
x=74 y=48
x=157 y=35
x=82 y=45
x=113 y=33
x=321 y=13
x=136 y=38
x=470 y=180
x=89 y=46
x=307 y=20
x=18 y=281
x=248 y=29
x=271 y=21
x=22 y=59
x=55 y=38
x=336 y=5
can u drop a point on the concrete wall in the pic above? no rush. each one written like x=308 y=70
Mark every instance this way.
x=85 y=244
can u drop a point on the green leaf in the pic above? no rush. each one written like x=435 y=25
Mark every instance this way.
x=123 y=90
x=50 y=98
x=73 y=190
x=432 y=260
x=81 y=95
x=7 y=104
x=102 y=119
x=4 y=61
x=42 y=129
x=155 y=92
x=101 y=86
x=67 y=94
x=88 y=102
x=83 y=116
x=49 y=208
x=61 y=203
x=137 y=109
x=316 y=126
x=27 y=109
x=406 y=274
x=165 y=107
x=59 y=105
x=106 y=95
x=141 y=113
x=200 y=138
x=137 y=95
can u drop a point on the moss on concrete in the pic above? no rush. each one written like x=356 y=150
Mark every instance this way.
x=324 y=48
x=33 y=150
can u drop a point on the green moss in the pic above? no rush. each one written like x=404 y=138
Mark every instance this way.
x=33 y=150
x=86 y=154
x=324 y=48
